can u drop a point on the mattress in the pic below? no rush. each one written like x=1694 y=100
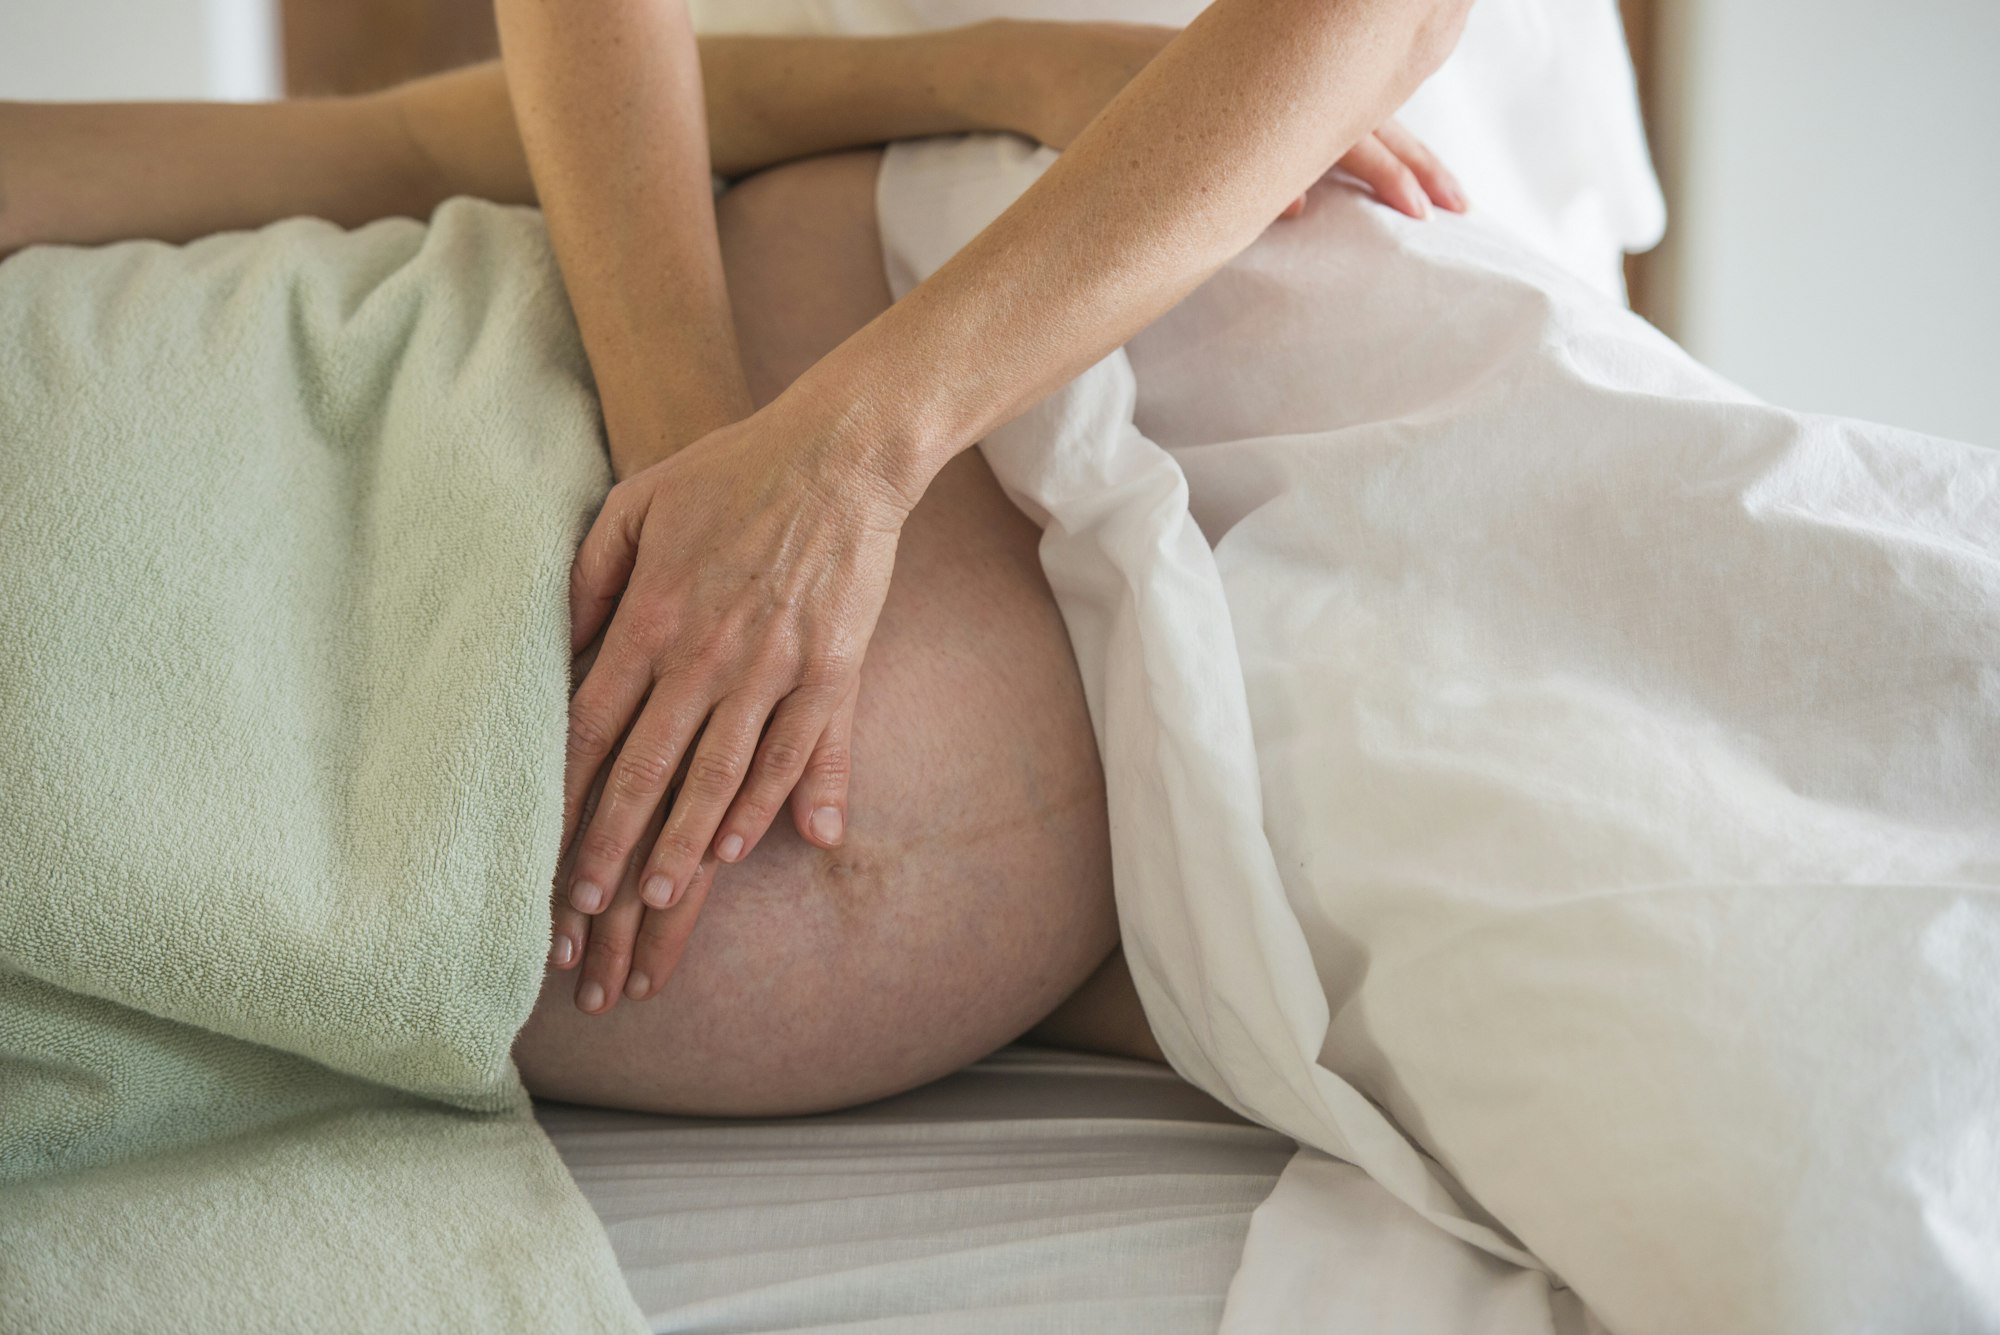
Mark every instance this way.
x=1035 y=1191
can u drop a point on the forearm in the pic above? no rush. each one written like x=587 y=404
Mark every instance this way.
x=607 y=97
x=766 y=100
x=1182 y=170
x=772 y=99
x=87 y=173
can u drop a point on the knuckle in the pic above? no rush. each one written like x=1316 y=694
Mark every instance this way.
x=643 y=771
x=655 y=953
x=828 y=665
x=839 y=649
x=783 y=755
x=623 y=496
x=755 y=811
x=723 y=649
x=830 y=761
x=601 y=847
x=589 y=734
x=677 y=848
x=609 y=948
x=647 y=623
x=779 y=658
x=711 y=776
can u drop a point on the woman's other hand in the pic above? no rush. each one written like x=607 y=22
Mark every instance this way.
x=741 y=579
x=1403 y=173
x=1401 y=170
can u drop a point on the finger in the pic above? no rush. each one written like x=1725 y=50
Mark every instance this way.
x=714 y=774
x=663 y=936
x=634 y=790
x=819 y=802
x=581 y=662
x=608 y=957
x=1371 y=162
x=569 y=931
x=612 y=936
x=1293 y=209
x=603 y=564
x=569 y=934
x=600 y=710
x=1431 y=174
x=780 y=761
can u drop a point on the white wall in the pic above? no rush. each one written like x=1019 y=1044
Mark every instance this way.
x=1836 y=237
x=83 y=50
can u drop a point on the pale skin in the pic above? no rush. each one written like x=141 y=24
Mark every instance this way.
x=974 y=896
x=737 y=582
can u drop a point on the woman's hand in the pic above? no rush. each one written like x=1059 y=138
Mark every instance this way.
x=1402 y=172
x=1046 y=81
x=742 y=578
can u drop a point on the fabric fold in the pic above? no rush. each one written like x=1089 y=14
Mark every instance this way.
x=1539 y=773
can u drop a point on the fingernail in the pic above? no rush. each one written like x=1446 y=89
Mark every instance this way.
x=636 y=985
x=591 y=996
x=658 y=891
x=565 y=950
x=587 y=896
x=826 y=825
x=731 y=847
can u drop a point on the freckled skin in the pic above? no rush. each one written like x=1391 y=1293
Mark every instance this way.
x=973 y=893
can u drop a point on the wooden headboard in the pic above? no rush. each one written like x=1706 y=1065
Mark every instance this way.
x=1642 y=272
x=357 y=46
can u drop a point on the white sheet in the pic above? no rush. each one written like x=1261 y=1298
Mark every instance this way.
x=1527 y=750
x=1036 y=1191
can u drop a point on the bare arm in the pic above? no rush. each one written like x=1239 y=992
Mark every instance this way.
x=88 y=173
x=1181 y=171
x=608 y=98
x=737 y=583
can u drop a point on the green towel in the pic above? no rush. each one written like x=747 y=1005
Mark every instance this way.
x=285 y=529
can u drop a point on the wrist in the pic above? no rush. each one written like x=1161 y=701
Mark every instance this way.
x=866 y=438
x=646 y=420
x=665 y=375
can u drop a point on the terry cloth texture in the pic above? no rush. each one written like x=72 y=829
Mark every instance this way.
x=285 y=527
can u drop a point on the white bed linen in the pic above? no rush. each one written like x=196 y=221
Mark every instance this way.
x=1525 y=749
x=1035 y=1191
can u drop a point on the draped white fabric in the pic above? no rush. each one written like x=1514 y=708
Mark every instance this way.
x=1035 y=1191
x=1532 y=756
x=1540 y=774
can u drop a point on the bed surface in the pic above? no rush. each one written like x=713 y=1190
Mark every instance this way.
x=1035 y=1191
